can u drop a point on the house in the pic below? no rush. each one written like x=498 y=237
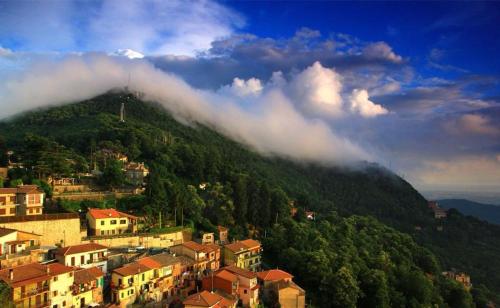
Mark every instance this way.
x=438 y=212
x=8 y=201
x=221 y=280
x=136 y=172
x=462 y=278
x=206 y=299
x=206 y=257
x=131 y=282
x=248 y=287
x=110 y=222
x=244 y=254
x=30 y=199
x=166 y=274
x=223 y=234
x=310 y=215
x=207 y=238
x=285 y=290
x=21 y=200
x=87 y=287
x=84 y=256
x=14 y=241
x=37 y=285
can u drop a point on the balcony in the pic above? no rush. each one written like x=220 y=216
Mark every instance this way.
x=36 y=291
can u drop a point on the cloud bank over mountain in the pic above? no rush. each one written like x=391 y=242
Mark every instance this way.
x=271 y=122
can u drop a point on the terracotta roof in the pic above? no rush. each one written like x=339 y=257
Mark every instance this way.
x=33 y=273
x=274 y=275
x=194 y=246
x=226 y=275
x=132 y=269
x=6 y=231
x=203 y=299
x=243 y=245
x=289 y=284
x=87 y=275
x=210 y=247
x=8 y=191
x=70 y=250
x=58 y=269
x=249 y=243
x=221 y=228
x=17 y=242
x=29 y=189
x=236 y=247
x=165 y=259
x=108 y=213
x=240 y=272
x=149 y=262
x=186 y=261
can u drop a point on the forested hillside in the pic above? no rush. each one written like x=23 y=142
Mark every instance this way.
x=374 y=242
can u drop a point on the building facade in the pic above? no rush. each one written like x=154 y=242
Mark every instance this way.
x=110 y=222
x=84 y=256
x=244 y=254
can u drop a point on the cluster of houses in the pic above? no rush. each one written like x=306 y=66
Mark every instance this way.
x=208 y=272
x=439 y=213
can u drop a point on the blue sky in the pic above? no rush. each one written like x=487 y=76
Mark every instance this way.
x=414 y=86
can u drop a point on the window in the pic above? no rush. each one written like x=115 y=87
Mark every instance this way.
x=13 y=211
x=113 y=232
x=245 y=291
x=72 y=261
x=102 y=222
x=131 y=291
x=123 y=221
x=55 y=278
x=113 y=222
x=143 y=277
x=102 y=232
x=64 y=303
x=122 y=295
x=54 y=293
x=82 y=259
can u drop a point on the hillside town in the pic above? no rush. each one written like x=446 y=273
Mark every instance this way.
x=104 y=257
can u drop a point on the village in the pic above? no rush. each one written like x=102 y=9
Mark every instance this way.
x=109 y=258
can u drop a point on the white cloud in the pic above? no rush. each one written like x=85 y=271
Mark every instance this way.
x=152 y=27
x=360 y=103
x=241 y=87
x=272 y=124
x=380 y=50
x=317 y=90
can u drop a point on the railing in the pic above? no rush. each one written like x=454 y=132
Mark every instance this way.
x=36 y=291
x=25 y=252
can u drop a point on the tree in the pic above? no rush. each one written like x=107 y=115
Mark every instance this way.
x=113 y=175
x=375 y=289
x=240 y=198
x=345 y=291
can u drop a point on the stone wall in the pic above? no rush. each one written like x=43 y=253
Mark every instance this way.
x=164 y=240
x=53 y=228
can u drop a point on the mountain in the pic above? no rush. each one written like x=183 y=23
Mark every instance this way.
x=488 y=212
x=373 y=237
x=129 y=53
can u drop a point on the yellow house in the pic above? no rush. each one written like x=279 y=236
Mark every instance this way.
x=8 y=201
x=87 y=287
x=110 y=222
x=37 y=285
x=131 y=283
x=244 y=254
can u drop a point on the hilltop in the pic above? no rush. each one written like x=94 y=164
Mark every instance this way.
x=371 y=226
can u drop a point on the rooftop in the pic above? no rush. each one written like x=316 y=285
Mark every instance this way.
x=240 y=272
x=243 y=245
x=70 y=250
x=87 y=275
x=108 y=213
x=208 y=299
x=274 y=275
x=132 y=269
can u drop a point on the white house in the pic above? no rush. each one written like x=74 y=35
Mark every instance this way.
x=84 y=256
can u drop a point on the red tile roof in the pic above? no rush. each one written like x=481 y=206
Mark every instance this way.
x=149 y=262
x=32 y=273
x=108 y=213
x=199 y=247
x=274 y=275
x=240 y=272
x=70 y=250
x=4 y=191
x=226 y=275
x=29 y=189
x=132 y=269
x=243 y=245
x=5 y=231
x=87 y=275
x=208 y=299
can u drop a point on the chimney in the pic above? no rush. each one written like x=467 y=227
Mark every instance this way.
x=11 y=274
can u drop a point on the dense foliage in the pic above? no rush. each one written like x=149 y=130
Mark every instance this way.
x=359 y=259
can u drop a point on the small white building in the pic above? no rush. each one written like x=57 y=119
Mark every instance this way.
x=84 y=256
